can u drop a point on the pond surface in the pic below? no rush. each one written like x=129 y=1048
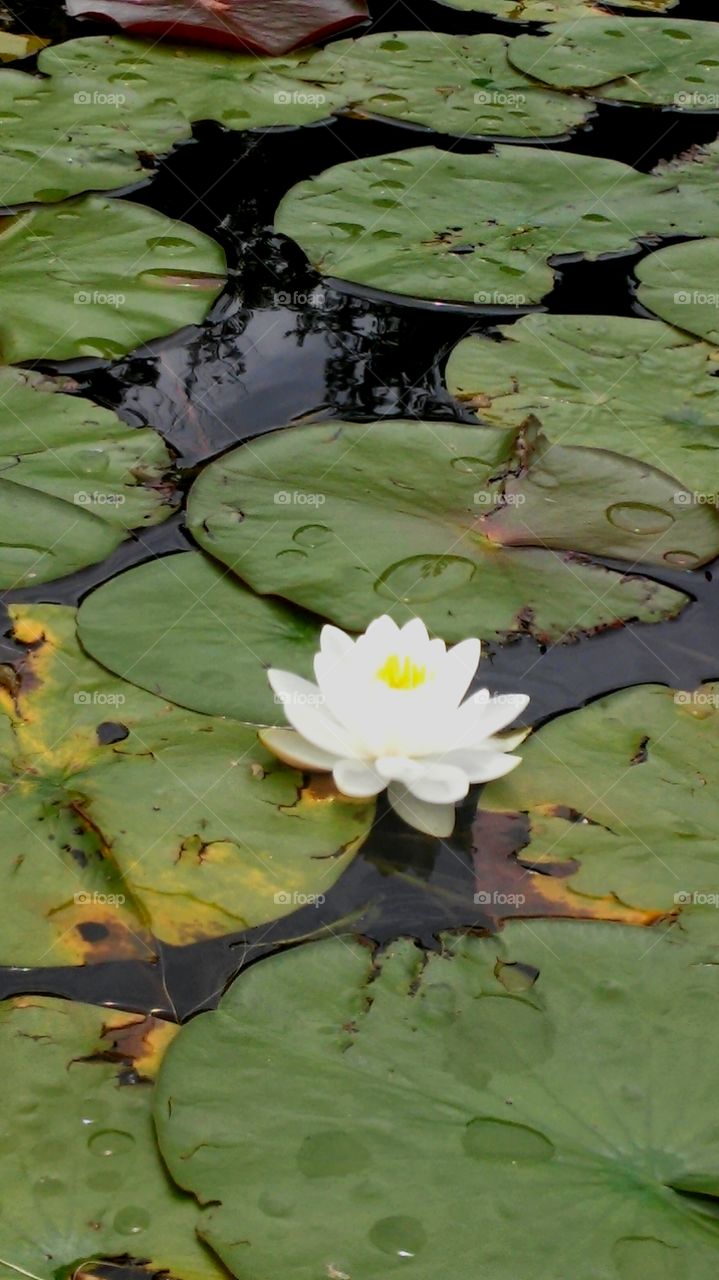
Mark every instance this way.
x=280 y=347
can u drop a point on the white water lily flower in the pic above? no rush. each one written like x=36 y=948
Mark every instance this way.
x=386 y=712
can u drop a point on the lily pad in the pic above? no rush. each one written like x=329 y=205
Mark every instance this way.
x=452 y=84
x=481 y=228
x=123 y=816
x=73 y=477
x=679 y=285
x=251 y=25
x=636 y=387
x=487 y=1104
x=351 y=520
x=198 y=637
x=628 y=60
x=62 y=299
x=82 y=1174
x=622 y=793
x=556 y=10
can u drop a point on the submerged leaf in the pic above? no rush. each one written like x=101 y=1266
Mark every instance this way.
x=488 y=1104
x=251 y=25
x=407 y=518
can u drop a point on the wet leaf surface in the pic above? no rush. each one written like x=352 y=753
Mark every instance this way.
x=83 y=1178
x=73 y=477
x=199 y=638
x=400 y=1105
x=186 y=827
x=407 y=517
x=679 y=285
x=60 y=298
x=621 y=793
x=237 y=24
x=627 y=60
x=637 y=388
x=480 y=228
x=557 y=10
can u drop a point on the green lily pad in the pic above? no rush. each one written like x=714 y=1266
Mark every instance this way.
x=82 y=1174
x=73 y=478
x=627 y=60
x=198 y=637
x=403 y=521
x=623 y=793
x=124 y=817
x=488 y=1105
x=679 y=285
x=62 y=299
x=481 y=228
x=452 y=84
x=636 y=387
x=556 y=10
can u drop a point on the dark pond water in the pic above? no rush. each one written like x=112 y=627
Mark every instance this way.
x=267 y=358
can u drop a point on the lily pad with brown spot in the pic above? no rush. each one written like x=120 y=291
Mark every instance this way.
x=83 y=1178
x=175 y=825
x=622 y=795
x=416 y=519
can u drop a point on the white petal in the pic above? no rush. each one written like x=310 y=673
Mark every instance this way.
x=456 y=672
x=414 y=633
x=508 y=741
x=478 y=718
x=293 y=749
x=302 y=703
x=433 y=819
x=480 y=765
x=335 y=643
x=440 y=784
x=358 y=779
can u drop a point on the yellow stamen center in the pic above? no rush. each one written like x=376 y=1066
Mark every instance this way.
x=401 y=673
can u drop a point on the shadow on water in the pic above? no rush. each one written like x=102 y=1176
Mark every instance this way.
x=281 y=346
